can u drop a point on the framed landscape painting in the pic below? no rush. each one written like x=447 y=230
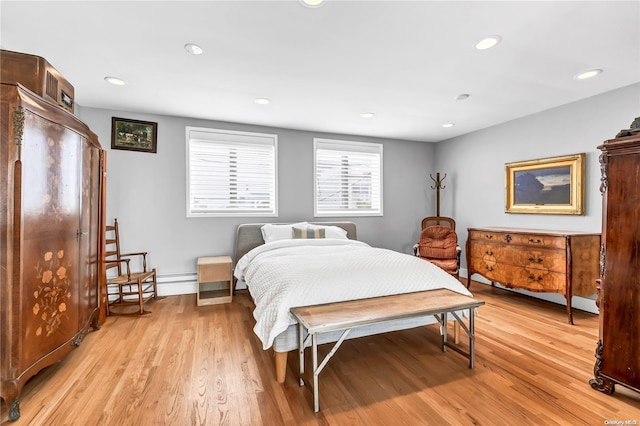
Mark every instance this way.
x=133 y=135
x=548 y=185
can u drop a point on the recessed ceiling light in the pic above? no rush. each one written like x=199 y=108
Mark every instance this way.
x=115 y=81
x=587 y=74
x=462 y=97
x=448 y=124
x=194 y=49
x=488 y=42
x=367 y=115
x=312 y=3
x=262 y=101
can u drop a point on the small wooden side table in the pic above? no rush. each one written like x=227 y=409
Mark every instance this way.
x=214 y=280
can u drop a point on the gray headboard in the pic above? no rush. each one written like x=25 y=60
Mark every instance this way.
x=249 y=235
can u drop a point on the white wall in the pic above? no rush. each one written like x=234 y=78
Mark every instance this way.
x=147 y=194
x=475 y=163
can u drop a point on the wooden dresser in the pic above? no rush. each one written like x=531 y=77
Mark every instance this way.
x=618 y=349
x=50 y=242
x=536 y=260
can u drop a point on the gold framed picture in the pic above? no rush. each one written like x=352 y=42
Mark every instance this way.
x=547 y=185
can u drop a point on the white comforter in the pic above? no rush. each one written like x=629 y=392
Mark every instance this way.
x=288 y=273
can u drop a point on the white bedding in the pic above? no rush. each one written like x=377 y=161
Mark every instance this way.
x=288 y=273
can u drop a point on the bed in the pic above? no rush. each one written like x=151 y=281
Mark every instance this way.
x=311 y=263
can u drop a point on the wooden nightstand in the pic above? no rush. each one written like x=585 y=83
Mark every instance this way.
x=214 y=280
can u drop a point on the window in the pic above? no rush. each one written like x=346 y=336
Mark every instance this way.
x=347 y=178
x=231 y=173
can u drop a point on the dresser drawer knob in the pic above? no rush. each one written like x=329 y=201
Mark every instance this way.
x=508 y=238
x=533 y=278
x=489 y=268
x=532 y=259
x=538 y=241
x=488 y=237
x=489 y=253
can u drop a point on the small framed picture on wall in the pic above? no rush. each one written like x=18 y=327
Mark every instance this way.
x=134 y=135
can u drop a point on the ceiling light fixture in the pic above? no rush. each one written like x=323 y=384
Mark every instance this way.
x=462 y=97
x=367 y=115
x=312 y=3
x=193 y=49
x=488 y=42
x=587 y=74
x=262 y=101
x=448 y=125
x=115 y=81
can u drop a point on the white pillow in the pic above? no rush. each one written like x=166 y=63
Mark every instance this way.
x=272 y=232
x=330 y=231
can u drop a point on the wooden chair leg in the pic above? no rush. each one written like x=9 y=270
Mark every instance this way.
x=140 y=297
x=155 y=285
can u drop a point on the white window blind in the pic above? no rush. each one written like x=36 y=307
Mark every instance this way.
x=231 y=173
x=347 y=178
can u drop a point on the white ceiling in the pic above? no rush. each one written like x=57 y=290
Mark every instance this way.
x=322 y=67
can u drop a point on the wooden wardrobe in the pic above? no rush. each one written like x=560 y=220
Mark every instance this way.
x=51 y=220
x=618 y=349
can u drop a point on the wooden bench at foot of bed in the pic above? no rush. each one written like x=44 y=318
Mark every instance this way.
x=345 y=316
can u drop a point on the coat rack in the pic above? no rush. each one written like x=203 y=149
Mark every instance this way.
x=438 y=186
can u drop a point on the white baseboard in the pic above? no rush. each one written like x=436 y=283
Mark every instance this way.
x=581 y=303
x=175 y=284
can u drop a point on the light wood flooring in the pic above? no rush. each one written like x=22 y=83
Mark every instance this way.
x=188 y=365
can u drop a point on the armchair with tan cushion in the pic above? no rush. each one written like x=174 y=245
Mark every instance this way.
x=439 y=244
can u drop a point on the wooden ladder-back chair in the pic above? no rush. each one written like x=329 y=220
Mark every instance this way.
x=439 y=244
x=126 y=288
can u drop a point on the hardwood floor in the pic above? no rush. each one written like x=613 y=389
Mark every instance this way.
x=189 y=365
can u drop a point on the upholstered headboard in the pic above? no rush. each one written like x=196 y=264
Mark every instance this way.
x=249 y=235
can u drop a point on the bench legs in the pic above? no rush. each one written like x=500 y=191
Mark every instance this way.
x=302 y=343
x=470 y=330
x=314 y=359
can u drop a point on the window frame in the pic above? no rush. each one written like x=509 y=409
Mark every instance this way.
x=230 y=136
x=348 y=146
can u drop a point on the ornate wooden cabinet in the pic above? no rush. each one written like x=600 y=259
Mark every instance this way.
x=37 y=75
x=618 y=349
x=51 y=221
x=536 y=260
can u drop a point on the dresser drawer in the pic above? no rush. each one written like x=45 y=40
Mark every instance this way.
x=486 y=267
x=539 y=280
x=513 y=276
x=488 y=236
x=530 y=257
x=549 y=241
x=537 y=240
